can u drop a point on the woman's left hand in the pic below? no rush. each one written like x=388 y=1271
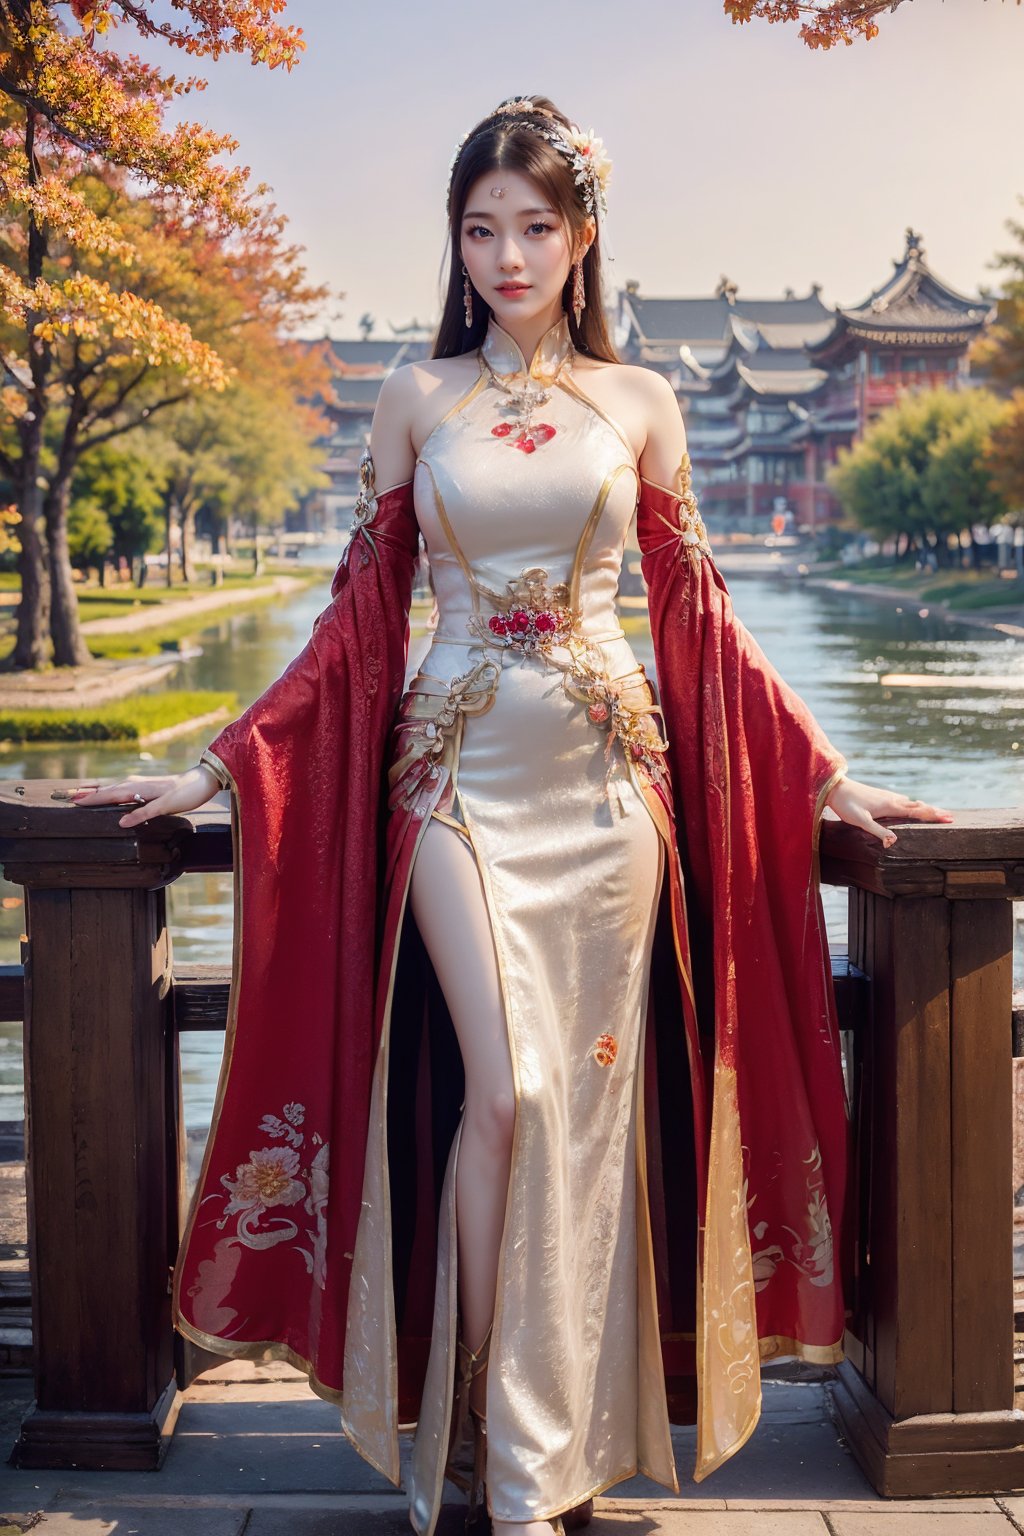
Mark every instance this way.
x=861 y=804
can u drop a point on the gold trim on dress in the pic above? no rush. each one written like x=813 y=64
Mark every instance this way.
x=776 y=1346
x=449 y=533
x=586 y=537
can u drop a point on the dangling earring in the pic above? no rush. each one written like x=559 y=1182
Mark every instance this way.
x=467 y=291
x=579 y=297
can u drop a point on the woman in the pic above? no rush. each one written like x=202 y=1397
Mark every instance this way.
x=570 y=1027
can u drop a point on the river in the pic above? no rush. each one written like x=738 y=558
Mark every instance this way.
x=958 y=744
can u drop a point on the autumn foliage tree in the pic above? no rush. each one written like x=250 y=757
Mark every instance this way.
x=823 y=23
x=113 y=306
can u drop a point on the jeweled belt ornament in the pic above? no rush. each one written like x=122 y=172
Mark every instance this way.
x=634 y=728
x=532 y=616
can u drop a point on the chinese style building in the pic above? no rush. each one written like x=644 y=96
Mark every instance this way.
x=771 y=389
x=358 y=369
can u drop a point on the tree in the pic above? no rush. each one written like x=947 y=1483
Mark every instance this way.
x=81 y=339
x=90 y=536
x=271 y=462
x=999 y=354
x=272 y=378
x=127 y=480
x=824 y=22
x=920 y=472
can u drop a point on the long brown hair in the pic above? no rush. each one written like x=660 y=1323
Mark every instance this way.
x=496 y=144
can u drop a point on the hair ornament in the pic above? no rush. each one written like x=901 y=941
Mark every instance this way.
x=585 y=152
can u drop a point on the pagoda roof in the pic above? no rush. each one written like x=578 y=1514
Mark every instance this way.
x=365 y=354
x=913 y=305
x=764 y=361
x=362 y=356
x=356 y=390
x=782 y=380
x=666 y=324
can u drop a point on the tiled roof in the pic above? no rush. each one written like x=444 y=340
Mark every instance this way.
x=913 y=302
x=790 y=381
x=356 y=390
x=366 y=354
x=672 y=321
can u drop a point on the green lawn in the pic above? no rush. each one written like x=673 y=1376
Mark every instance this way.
x=155 y=637
x=956 y=589
x=120 y=720
x=96 y=602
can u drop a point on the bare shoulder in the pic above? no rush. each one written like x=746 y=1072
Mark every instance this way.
x=664 y=432
x=411 y=400
x=436 y=384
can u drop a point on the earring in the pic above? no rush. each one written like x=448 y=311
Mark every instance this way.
x=579 y=297
x=467 y=291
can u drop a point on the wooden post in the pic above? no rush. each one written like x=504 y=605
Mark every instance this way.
x=103 y=1218
x=925 y=1395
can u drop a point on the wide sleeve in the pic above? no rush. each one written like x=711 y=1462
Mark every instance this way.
x=751 y=770
x=265 y=1258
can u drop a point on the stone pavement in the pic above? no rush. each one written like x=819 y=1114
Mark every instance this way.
x=254 y=1453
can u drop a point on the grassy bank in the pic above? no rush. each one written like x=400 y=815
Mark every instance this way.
x=156 y=637
x=117 y=602
x=958 y=590
x=122 y=720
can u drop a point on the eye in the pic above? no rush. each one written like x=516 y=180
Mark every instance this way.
x=482 y=228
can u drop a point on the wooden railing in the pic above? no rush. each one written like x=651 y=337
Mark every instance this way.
x=926 y=1393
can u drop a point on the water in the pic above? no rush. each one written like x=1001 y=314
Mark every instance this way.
x=953 y=745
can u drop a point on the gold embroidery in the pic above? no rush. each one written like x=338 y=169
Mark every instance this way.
x=364 y=513
x=729 y=1377
x=429 y=730
x=689 y=529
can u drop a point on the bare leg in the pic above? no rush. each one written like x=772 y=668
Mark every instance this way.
x=451 y=913
x=450 y=909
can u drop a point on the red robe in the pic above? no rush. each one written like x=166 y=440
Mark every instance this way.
x=746 y=1117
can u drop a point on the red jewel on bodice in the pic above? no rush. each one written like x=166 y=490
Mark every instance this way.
x=529 y=439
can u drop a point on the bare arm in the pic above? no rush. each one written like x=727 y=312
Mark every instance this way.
x=394 y=457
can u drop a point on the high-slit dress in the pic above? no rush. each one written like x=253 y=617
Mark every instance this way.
x=531 y=697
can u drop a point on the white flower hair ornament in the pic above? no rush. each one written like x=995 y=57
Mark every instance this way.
x=594 y=172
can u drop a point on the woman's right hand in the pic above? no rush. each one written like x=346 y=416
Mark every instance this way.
x=163 y=796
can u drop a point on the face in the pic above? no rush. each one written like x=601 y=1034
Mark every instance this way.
x=516 y=239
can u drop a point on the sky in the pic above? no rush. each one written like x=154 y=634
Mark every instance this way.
x=736 y=150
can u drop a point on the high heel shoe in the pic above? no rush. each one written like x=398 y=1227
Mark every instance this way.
x=471 y=1480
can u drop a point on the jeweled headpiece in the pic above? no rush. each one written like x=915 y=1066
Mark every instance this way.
x=585 y=152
